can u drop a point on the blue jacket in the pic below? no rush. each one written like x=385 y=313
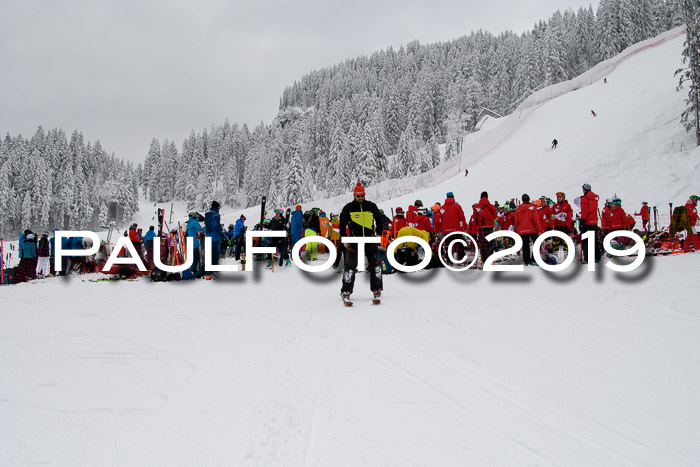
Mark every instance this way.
x=150 y=235
x=193 y=229
x=239 y=228
x=22 y=237
x=29 y=248
x=52 y=242
x=297 y=223
x=77 y=243
x=212 y=225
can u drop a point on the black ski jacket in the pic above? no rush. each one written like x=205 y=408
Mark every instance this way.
x=359 y=218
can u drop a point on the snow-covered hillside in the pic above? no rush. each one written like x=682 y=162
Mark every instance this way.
x=452 y=369
x=635 y=147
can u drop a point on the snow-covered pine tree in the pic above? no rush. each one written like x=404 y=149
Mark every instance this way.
x=691 y=74
x=406 y=158
x=153 y=164
x=26 y=218
x=294 y=179
x=102 y=214
x=555 y=50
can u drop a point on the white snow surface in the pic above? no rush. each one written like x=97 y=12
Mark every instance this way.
x=452 y=369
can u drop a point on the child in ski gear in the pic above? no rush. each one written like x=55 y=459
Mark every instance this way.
x=362 y=219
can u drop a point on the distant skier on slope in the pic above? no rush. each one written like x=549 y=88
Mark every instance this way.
x=359 y=217
x=593 y=113
x=554 y=143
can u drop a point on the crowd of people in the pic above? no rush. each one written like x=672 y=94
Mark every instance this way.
x=525 y=216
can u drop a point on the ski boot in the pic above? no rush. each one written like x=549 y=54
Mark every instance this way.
x=346 y=298
x=287 y=262
x=377 y=299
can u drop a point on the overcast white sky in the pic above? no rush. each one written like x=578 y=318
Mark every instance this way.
x=126 y=71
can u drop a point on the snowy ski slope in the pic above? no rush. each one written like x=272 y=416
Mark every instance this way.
x=452 y=369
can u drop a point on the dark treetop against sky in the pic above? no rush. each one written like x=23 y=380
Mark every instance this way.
x=126 y=71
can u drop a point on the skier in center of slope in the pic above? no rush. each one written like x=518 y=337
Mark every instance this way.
x=362 y=219
x=554 y=143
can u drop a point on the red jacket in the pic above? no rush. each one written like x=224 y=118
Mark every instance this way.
x=487 y=213
x=411 y=214
x=452 y=217
x=563 y=208
x=644 y=212
x=545 y=213
x=399 y=223
x=527 y=220
x=472 y=228
x=437 y=222
x=134 y=236
x=501 y=219
x=510 y=220
x=605 y=218
x=692 y=212
x=423 y=223
x=589 y=208
x=618 y=218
